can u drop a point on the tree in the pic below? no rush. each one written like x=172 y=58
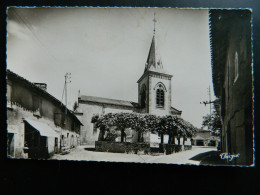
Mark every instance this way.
x=122 y=121
x=189 y=131
x=213 y=122
x=168 y=126
x=138 y=123
x=141 y=123
x=147 y=122
x=75 y=106
x=102 y=122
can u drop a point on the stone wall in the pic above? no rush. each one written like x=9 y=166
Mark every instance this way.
x=15 y=125
x=122 y=147
x=237 y=110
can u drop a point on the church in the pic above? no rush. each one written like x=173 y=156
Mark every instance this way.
x=154 y=97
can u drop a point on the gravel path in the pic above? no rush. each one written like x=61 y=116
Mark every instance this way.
x=178 y=158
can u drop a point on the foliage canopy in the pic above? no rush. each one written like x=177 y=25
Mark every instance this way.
x=141 y=123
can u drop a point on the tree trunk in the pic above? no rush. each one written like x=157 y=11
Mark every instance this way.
x=179 y=140
x=138 y=136
x=101 y=135
x=142 y=137
x=170 y=139
x=183 y=141
x=122 y=135
x=162 y=138
x=173 y=140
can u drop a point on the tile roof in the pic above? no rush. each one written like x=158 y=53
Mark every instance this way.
x=107 y=101
x=13 y=75
x=176 y=110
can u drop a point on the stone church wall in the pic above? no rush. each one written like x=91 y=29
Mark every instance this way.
x=88 y=134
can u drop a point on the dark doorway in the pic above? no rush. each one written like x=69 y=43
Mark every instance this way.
x=37 y=144
x=10 y=144
x=56 y=145
x=200 y=143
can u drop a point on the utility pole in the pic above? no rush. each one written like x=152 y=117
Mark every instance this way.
x=67 y=80
x=208 y=102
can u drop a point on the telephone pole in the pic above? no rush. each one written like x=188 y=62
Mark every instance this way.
x=209 y=101
x=67 y=80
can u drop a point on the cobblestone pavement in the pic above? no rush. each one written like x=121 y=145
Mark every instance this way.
x=84 y=153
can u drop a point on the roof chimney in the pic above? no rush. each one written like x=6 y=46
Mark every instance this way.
x=43 y=86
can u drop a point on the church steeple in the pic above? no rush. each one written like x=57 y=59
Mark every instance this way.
x=151 y=63
x=151 y=59
x=154 y=86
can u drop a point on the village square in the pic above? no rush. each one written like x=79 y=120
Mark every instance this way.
x=153 y=128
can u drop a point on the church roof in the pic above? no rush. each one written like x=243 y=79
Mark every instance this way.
x=153 y=64
x=151 y=60
x=175 y=111
x=43 y=93
x=101 y=100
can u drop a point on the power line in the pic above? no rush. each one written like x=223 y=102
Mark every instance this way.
x=21 y=19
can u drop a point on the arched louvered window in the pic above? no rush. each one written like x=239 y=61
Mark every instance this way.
x=160 y=96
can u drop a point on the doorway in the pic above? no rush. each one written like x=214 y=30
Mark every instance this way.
x=10 y=144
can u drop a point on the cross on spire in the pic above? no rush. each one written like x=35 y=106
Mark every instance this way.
x=154 y=21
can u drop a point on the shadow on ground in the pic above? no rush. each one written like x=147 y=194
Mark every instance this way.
x=209 y=158
x=90 y=149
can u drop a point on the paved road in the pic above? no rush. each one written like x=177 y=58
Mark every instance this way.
x=178 y=158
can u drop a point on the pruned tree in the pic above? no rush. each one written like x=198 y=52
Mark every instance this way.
x=103 y=123
x=141 y=123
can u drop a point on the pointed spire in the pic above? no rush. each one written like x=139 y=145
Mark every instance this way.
x=151 y=63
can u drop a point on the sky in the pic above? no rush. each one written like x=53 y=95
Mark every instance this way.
x=105 y=50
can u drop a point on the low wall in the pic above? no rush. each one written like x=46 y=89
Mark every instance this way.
x=122 y=147
x=187 y=147
x=171 y=148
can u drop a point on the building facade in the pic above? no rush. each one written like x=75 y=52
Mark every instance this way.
x=88 y=106
x=232 y=79
x=38 y=125
x=154 y=97
x=204 y=138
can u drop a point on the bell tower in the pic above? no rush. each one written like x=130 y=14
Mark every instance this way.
x=154 y=86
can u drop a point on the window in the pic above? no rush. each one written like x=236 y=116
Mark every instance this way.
x=36 y=106
x=160 y=97
x=143 y=96
x=160 y=90
x=59 y=120
x=236 y=66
